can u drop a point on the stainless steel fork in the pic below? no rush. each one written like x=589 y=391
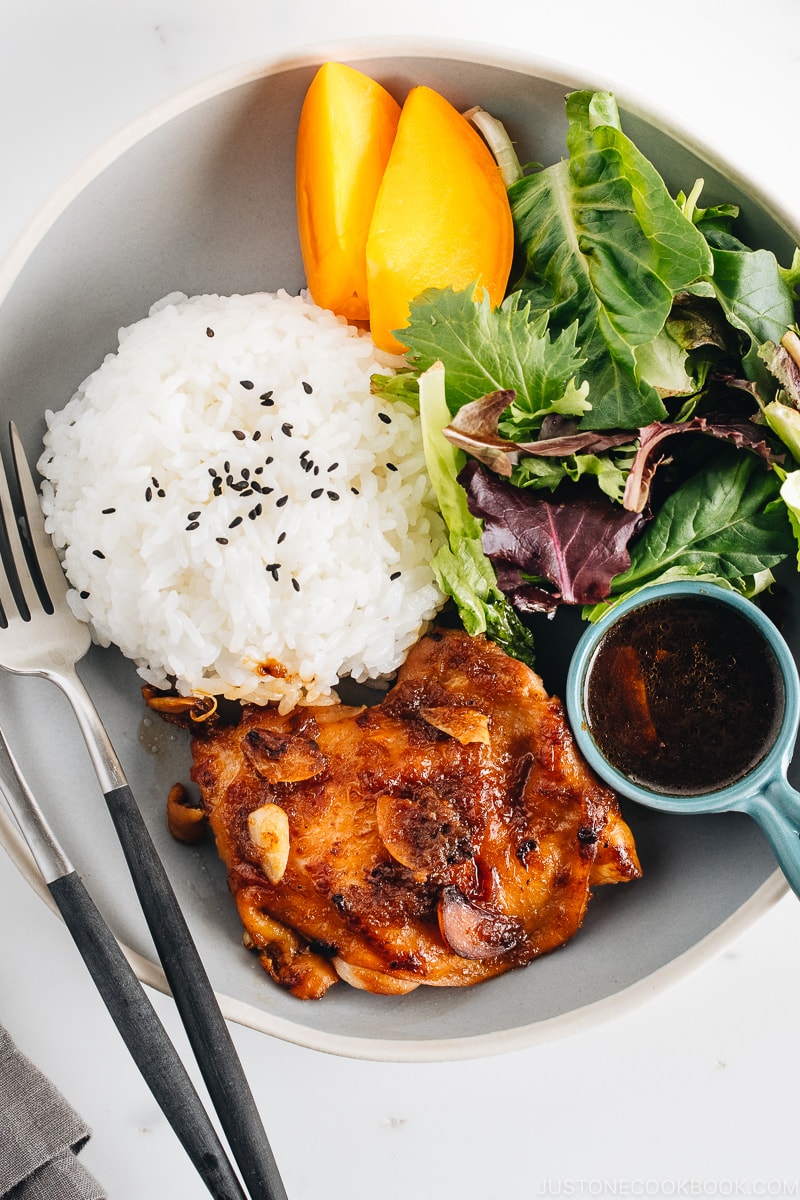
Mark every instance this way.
x=41 y=636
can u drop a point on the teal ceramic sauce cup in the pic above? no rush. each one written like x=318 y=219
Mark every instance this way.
x=761 y=788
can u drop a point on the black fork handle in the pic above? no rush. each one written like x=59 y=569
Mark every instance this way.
x=196 y=1003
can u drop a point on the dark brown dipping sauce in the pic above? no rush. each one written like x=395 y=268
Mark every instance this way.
x=684 y=696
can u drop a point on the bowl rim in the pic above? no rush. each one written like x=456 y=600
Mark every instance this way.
x=770 y=892
x=484 y=1045
x=354 y=50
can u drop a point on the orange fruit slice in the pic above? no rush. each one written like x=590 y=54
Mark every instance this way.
x=346 y=130
x=441 y=218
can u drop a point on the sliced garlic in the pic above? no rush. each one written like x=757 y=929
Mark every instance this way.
x=282 y=759
x=464 y=724
x=473 y=931
x=268 y=828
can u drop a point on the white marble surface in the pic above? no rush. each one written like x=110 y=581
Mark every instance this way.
x=691 y=1094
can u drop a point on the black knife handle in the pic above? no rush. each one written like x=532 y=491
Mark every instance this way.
x=145 y=1036
x=194 y=997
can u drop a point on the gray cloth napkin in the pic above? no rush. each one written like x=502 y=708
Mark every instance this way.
x=40 y=1135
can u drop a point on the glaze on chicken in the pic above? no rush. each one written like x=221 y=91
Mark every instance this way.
x=442 y=837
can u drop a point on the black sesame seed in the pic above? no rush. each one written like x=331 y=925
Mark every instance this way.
x=212 y=472
x=307 y=388
x=279 y=503
x=281 y=535
x=237 y=433
x=222 y=541
x=266 y=400
x=148 y=495
x=98 y=554
x=355 y=491
x=387 y=420
x=304 y=455
x=209 y=332
x=266 y=491
x=247 y=384
x=333 y=466
x=296 y=585
x=154 y=481
x=255 y=512
x=390 y=467
x=236 y=521
x=257 y=435
x=258 y=471
x=226 y=466
x=192 y=525
x=248 y=492
x=161 y=493
x=287 y=428
x=273 y=569
x=317 y=492
x=84 y=595
x=333 y=495
x=268 y=460
x=316 y=470
x=307 y=465
x=395 y=575
x=107 y=511
x=192 y=516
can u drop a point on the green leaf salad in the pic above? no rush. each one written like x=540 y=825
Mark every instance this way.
x=629 y=414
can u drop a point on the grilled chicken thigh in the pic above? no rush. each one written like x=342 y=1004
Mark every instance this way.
x=441 y=837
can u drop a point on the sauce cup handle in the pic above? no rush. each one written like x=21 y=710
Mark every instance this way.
x=776 y=808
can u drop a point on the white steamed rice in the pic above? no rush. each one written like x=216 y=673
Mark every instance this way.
x=235 y=511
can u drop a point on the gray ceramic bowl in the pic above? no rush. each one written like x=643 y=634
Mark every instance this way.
x=199 y=196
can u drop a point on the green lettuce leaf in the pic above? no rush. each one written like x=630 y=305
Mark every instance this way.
x=606 y=246
x=609 y=469
x=403 y=385
x=785 y=422
x=488 y=350
x=751 y=289
x=756 y=294
x=461 y=568
x=664 y=363
x=727 y=523
x=791 y=274
x=783 y=362
x=790 y=494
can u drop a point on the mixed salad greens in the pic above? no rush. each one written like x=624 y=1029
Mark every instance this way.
x=629 y=414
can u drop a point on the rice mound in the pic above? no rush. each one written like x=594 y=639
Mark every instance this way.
x=235 y=510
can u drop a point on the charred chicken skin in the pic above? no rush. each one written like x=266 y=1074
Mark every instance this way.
x=441 y=837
